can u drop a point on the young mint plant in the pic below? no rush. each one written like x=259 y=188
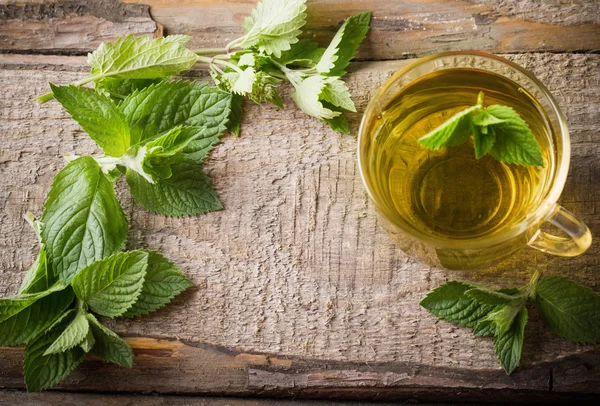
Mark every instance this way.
x=568 y=309
x=497 y=130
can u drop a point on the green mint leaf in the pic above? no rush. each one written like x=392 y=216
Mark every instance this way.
x=344 y=45
x=515 y=144
x=338 y=124
x=159 y=108
x=140 y=58
x=82 y=220
x=483 y=142
x=42 y=371
x=304 y=53
x=484 y=328
x=503 y=316
x=336 y=93
x=273 y=25
x=235 y=117
x=485 y=118
x=509 y=345
x=450 y=303
x=569 y=310
x=163 y=282
x=186 y=193
x=88 y=342
x=119 y=89
x=73 y=335
x=39 y=277
x=454 y=131
x=97 y=115
x=306 y=97
x=178 y=38
x=23 y=317
x=492 y=297
x=112 y=285
x=109 y=346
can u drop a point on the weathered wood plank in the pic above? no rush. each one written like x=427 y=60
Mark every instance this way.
x=399 y=29
x=413 y=28
x=296 y=264
x=69 y=26
x=179 y=368
x=89 y=399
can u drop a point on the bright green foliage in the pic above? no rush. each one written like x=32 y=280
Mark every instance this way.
x=39 y=277
x=25 y=316
x=73 y=334
x=112 y=285
x=162 y=283
x=186 y=193
x=344 y=45
x=497 y=130
x=304 y=53
x=235 y=117
x=108 y=346
x=570 y=311
x=306 y=97
x=82 y=220
x=273 y=25
x=43 y=371
x=140 y=58
x=509 y=345
x=97 y=115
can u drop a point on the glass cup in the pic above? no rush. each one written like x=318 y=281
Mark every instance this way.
x=486 y=250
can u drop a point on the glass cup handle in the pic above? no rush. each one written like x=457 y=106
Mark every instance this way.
x=577 y=243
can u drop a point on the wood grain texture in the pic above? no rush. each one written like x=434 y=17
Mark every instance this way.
x=401 y=29
x=68 y=27
x=296 y=265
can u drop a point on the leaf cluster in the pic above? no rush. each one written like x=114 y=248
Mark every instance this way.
x=497 y=130
x=568 y=309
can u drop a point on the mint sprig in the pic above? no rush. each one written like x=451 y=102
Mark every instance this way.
x=497 y=130
x=568 y=309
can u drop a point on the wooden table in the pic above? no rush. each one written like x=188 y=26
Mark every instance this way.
x=298 y=291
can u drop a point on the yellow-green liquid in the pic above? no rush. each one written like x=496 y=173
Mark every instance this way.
x=448 y=193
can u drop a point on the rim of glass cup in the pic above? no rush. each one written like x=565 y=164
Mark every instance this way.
x=544 y=209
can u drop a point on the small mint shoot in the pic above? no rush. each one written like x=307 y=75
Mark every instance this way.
x=498 y=131
x=568 y=309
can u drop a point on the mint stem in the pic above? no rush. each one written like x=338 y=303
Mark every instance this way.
x=480 y=99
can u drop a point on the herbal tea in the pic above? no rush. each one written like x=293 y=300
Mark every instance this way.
x=448 y=193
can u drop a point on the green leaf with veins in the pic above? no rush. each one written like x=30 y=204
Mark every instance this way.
x=273 y=25
x=344 y=45
x=97 y=115
x=483 y=143
x=454 y=131
x=450 y=303
x=88 y=342
x=39 y=277
x=42 y=371
x=108 y=346
x=112 y=285
x=569 y=310
x=304 y=53
x=74 y=334
x=509 y=345
x=187 y=192
x=159 y=108
x=119 y=89
x=306 y=97
x=515 y=143
x=265 y=89
x=336 y=93
x=162 y=283
x=235 y=117
x=82 y=220
x=338 y=124
x=25 y=316
x=141 y=58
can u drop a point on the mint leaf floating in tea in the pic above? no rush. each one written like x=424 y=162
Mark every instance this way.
x=497 y=130
x=568 y=309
